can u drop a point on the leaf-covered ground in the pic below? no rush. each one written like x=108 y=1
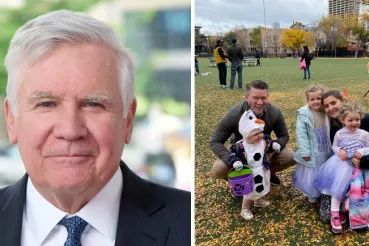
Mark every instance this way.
x=290 y=220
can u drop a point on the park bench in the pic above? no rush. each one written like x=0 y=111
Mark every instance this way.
x=213 y=64
x=249 y=61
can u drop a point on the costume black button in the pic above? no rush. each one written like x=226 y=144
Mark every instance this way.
x=259 y=189
x=258 y=179
x=257 y=156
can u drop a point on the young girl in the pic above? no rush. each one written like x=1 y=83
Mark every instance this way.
x=314 y=147
x=251 y=150
x=335 y=175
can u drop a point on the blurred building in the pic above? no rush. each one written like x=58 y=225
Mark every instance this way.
x=158 y=32
x=271 y=41
x=11 y=4
x=159 y=35
x=344 y=8
x=200 y=42
x=276 y=25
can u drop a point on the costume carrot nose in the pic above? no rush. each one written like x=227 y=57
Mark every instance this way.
x=259 y=121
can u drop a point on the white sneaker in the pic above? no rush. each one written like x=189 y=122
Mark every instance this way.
x=312 y=200
x=221 y=86
x=246 y=214
x=261 y=203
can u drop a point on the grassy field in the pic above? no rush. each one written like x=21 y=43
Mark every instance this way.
x=290 y=220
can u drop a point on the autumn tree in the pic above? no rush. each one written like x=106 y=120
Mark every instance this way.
x=297 y=25
x=335 y=29
x=210 y=41
x=256 y=36
x=227 y=37
x=11 y=19
x=197 y=38
x=358 y=29
x=295 y=39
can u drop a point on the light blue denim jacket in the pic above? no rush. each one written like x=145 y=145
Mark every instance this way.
x=306 y=138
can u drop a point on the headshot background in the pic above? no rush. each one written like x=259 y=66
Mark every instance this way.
x=158 y=33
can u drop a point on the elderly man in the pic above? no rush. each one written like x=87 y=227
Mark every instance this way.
x=70 y=108
x=257 y=94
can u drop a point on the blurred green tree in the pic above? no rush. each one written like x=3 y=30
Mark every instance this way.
x=13 y=18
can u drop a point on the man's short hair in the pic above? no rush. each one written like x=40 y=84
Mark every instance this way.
x=256 y=84
x=48 y=32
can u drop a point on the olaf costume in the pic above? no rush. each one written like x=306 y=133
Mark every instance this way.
x=254 y=154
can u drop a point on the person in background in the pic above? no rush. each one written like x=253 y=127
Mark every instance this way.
x=257 y=56
x=235 y=56
x=197 y=66
x=220 y=60
x=306 y=56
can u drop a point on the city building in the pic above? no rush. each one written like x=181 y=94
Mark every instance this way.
x=271 y=41
x=344 y=8
x=276 y=25
x=200 y=42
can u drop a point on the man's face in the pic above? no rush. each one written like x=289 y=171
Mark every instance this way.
x=257 y=100
x=70 y=127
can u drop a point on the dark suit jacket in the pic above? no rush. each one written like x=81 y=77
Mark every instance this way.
x=149 y=214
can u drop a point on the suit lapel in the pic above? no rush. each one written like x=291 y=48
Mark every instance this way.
x=139 y=222
x=12 y=201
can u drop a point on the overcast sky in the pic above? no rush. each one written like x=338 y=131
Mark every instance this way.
x=223 y=15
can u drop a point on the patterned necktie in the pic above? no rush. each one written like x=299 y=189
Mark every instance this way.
x=75 y=226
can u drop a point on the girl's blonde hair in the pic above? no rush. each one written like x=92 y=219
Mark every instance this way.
x=350 y=108
x=313 y=88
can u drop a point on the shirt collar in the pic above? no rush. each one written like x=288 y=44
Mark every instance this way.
x=101 y=212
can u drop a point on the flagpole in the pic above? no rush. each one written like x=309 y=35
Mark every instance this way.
x=265 y=24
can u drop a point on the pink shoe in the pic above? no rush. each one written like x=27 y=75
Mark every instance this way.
x=336 y=225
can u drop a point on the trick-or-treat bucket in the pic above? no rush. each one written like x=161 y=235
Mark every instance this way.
x=241 y=181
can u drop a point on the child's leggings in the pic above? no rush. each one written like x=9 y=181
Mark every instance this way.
x=335 y=204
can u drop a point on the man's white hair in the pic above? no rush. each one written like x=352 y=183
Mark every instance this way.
x=47 y=32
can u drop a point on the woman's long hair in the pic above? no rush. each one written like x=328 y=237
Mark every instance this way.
x=306 y=49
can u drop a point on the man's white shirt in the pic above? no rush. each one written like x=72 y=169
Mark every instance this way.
x=40 y=218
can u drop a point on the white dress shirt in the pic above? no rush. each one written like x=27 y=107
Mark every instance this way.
x=40 y=218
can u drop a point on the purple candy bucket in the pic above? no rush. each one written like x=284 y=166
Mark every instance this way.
x=241 y=182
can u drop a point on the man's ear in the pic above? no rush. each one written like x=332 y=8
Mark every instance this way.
x=246 y=96
x=129 y=121
x=10 y=122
